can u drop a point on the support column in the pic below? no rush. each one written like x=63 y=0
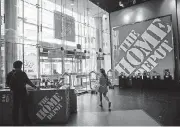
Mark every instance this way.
x=10 y=34
x=98 y=22
x=106 y=42
x=1 y=60
x=63 y=64
x=178 y=24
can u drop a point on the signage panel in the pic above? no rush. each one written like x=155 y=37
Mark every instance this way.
x=144 y=46
x=64 y=26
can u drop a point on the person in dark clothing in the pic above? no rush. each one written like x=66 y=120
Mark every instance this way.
x=145 y=80
x=17 y=80
x=133 y=80
x=167 y=78
x=122 y=80
x=139 y=80
x=167 y=75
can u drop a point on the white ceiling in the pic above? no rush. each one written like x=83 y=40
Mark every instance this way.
x=81 y=7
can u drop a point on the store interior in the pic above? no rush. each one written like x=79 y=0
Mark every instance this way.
x=63 y=44
x=55 y=37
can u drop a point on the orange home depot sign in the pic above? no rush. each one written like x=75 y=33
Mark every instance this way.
x=144 y=46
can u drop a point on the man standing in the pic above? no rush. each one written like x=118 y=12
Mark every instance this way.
x=17 y=80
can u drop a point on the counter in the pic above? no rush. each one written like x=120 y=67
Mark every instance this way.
x=46 y=106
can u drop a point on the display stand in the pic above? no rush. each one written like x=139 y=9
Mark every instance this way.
x=46 y=106
x=6 y=106
x=82 y=87
x=93 y=82
x=72 y=92
x=49 y=106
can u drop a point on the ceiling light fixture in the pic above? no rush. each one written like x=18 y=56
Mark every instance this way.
x=121 y=4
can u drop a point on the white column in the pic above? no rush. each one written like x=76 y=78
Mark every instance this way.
x=1 y=71
x=10 y=34
x=98 y=22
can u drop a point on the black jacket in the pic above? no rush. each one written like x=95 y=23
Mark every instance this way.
x=17 y=80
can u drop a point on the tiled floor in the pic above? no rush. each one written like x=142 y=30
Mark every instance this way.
x=129 y=107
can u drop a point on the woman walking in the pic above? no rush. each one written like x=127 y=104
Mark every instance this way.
x=103 y=81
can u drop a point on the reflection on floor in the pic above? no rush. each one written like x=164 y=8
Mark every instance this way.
x=129 y=107
x=114 y=118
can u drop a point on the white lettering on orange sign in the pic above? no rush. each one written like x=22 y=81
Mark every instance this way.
x=146 y=50
x=49 y=107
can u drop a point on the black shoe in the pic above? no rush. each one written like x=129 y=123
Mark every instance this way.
x=101 y=105
x=109 y=105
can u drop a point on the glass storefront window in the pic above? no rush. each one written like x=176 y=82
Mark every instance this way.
x=47 y=35
x=19 y=51
x=30 y=32
x=69 y=65
x=59 y=8
x=47 y=19
x=2 y=76
x=30 y=42
x=50 y=67
x=82 y=19
x=38 y=27
x=34 y=2
x=45 y=67
x=30 y=13
x=30 y=61
x=48 y=5
x=20 y=27
x=20 y=8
